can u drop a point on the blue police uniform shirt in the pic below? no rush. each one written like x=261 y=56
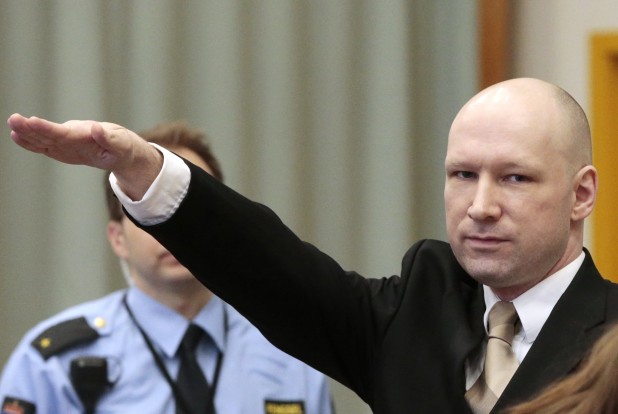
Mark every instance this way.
x=255 y=377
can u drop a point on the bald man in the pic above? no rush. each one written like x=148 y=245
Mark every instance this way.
x=519 y=185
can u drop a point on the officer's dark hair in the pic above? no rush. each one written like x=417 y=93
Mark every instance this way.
x=171 y=136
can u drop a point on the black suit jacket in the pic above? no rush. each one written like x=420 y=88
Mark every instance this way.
x=399 y=342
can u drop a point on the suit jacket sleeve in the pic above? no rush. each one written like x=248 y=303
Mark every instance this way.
x=300 y=298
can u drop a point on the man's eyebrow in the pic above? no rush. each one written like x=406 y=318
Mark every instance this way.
x=458 y=163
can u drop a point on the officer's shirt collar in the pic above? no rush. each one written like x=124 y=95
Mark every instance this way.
x=166 y=327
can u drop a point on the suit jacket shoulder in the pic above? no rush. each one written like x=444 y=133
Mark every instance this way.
x=581 y=315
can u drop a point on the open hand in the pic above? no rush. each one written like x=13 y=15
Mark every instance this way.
x=96 y=144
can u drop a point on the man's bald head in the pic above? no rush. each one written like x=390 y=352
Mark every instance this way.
x=536 y=101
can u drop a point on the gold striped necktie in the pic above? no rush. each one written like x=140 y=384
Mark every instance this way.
x=500 y=361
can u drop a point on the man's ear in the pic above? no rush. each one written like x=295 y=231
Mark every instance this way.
x=115 y=236
x=585 y=187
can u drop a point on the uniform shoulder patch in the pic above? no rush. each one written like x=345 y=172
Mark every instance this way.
x=64 y=335
x=284 y=407
x=12 y=405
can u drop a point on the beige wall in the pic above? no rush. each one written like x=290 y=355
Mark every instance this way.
x=551 y=42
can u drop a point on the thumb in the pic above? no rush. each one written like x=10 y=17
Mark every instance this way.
x=114 y=139
x=100 y=135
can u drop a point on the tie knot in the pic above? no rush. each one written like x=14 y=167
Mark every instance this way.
x=192 y=336
x=501 y=321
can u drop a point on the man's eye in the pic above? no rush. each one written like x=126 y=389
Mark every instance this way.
x=517 y=178
x=465 y=174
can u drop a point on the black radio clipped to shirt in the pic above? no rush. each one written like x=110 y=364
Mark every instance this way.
x=89 y=377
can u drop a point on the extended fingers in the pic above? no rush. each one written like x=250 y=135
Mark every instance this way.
x=18 y=124
x=35 y=133
x=22 y=134
x=33 y=146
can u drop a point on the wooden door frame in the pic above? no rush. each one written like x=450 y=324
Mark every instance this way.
x=604 y=124
x=495 y=21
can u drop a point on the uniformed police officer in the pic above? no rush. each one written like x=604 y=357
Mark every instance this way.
x=121 y=353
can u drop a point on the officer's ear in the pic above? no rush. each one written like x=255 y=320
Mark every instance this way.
x=115 y=235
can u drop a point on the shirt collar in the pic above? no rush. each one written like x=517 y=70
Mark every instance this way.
x=166 y=327
x=535 y=305
x=213 y=319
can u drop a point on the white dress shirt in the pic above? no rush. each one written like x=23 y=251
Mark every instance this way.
x=533 y=308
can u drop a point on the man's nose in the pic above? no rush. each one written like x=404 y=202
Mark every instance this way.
x=486 y=202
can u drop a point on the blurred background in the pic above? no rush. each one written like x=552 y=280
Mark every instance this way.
x=335 y=113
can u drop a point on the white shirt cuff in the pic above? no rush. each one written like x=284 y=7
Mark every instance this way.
x=164 y=195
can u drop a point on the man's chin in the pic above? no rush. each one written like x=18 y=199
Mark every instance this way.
x=487 y=272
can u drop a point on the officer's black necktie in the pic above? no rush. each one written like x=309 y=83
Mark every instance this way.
x=191 y=382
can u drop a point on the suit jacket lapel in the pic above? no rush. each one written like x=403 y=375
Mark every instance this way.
x=462 y=336
x=564 y=339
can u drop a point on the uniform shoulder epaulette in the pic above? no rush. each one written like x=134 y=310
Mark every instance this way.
x=57 y=338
